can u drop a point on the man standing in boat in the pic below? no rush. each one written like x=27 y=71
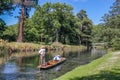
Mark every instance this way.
x=42 y=52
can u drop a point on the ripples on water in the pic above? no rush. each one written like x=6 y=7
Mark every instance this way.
x=25 y=68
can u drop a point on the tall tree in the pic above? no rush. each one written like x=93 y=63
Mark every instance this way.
x=113 y=12
x=82 y=14
x=85 y=28
x=62 y=15
x=115 y=9
x=25 y=8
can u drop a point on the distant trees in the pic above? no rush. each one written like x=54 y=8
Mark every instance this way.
x=56 y=23
x=110 y=32
x=113 y=24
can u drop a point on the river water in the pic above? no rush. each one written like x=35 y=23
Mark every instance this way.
x=25 y=68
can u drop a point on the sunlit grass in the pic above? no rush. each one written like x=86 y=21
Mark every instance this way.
x=105 y=68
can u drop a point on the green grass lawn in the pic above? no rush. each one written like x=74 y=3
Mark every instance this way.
x=105 y=68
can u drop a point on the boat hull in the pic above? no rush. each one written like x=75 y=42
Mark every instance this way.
x=51 y=63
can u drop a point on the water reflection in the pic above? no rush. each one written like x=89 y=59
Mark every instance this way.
x=9 y=68
x=9 y=71
x=96 y=53
x=25 y=68
x=57 y=68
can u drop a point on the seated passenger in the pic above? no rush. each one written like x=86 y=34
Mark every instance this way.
x=57 y=57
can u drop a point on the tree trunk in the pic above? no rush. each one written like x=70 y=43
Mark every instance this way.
x=80 y=40
x=57 y=36
x=41 y=39
x=20 y=34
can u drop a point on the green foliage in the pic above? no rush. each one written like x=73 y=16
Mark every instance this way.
x=85 y=27
x=116 y=43
x=82 y=14
x=97 y=33
x=2 y=27
x=25 y=7
x=32 y=35
x=113 y=12
x=54 y=21
x=114 y=22
x=11 y=33
x=112 y=30
x=115 y=9
x=5 y=6
x=111 y=24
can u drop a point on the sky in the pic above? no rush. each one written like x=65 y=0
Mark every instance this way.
x=95 y=9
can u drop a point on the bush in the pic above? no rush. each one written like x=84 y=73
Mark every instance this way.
x=116 y=43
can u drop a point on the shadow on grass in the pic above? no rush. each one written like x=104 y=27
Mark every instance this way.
x=103 y=75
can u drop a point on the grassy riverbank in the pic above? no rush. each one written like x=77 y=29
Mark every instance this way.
x=19 y=47
x=12 y=47
x=105 y=68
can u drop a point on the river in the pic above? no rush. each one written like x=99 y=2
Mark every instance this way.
x=25 y=68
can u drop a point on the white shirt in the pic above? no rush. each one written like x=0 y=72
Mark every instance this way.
x=57 y=57
x=42 y=52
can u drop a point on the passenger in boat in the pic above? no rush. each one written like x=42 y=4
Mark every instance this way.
x=57 y=57
x=42 y=53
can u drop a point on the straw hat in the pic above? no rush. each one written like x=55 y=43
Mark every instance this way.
x=43 y=47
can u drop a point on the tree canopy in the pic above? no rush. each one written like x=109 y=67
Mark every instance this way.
x=55 y=22
x=110 y=32
x=5 y=6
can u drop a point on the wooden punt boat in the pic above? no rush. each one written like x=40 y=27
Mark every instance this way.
x=52 y=63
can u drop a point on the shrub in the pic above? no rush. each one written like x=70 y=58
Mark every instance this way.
x=116 y=43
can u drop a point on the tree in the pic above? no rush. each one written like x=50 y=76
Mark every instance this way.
x=97 y=33
x=56 y=22
x=82 y=14
x=112 y=24
x=41 y=20
x=53 y=21
x=113 y=12
x=77 y=30
x=116 y=43
x=115 y=9
x=32 y=35
x=5 y=6
x=85 y=28
x=10 y=33
x=62 y=15
x=25 y=8
x=2 y=27
x=112 y=30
